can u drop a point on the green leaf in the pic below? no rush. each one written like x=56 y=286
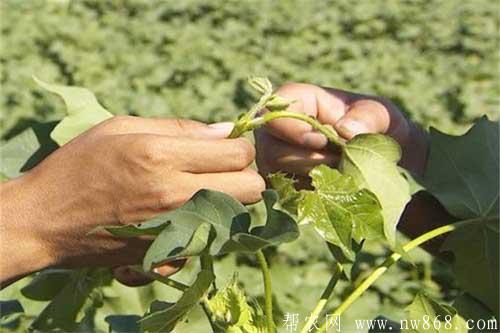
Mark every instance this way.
x=288 y=195
x=476 y=264
x=361 y=207
x=340 y=211
x=218 y=222
x=47 y=284
x=61 y=313
x=261 y=84
x=10 y=307
x=333 y=228
x=84 y=111
x=123 y=323
x=162 y=316
x=278 y=103
x=26 y=149
x=232 y=312
x=388 y=326
x=463 y=171
x=152 y=227
x=470 y=308
x=371 y=160
x=425 y=315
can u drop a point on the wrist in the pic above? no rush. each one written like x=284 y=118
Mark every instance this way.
x=23 y=248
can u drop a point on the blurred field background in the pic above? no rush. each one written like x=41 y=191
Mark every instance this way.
x=438 y=60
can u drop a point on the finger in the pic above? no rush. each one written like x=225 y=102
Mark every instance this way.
x=127 y=276
x=327 y=106
x=246 y=186
x=170 y=268
x=206 y=156
x=274 y=155
x=132 y=278
x=372 y=116
x=170 y=127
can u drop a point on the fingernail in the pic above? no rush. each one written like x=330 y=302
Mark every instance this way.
x=351 y=127
x=227 y=125
x=223 y=129
x=314 y=140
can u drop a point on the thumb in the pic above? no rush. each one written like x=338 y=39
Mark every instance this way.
x=364 y=116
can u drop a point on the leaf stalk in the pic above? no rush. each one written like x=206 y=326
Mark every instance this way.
x=393 y=258
x=268 y=293
x=337 y=273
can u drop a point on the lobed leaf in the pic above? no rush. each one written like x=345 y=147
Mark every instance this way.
x=437 y=314
x=61 y=313
x=83 y=111
x=162 y=316
x=340 y=211
x=476 y=263
x=215 y=221
x=25 y=150
x=232 y=312
x=47 y=284
x=285 y=187
x=463 y=171
x=371 y=160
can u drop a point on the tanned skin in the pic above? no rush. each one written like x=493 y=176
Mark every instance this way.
x=129 y=169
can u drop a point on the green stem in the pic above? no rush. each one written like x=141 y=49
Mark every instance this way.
x=207 y=262
x=326 y=130
x=394 y=258
x=323 y=300
x=160 y=278
x=268 y=293
x=209 y=315
x=242 y=125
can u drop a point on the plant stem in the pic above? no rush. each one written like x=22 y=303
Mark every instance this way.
x=323 y=300
x=268 y=293
x=209 y=315
x=326 y=130
x=394 y=258
x=242 y=125
x=207 y=262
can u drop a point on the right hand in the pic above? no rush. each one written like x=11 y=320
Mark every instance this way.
x=124 y=170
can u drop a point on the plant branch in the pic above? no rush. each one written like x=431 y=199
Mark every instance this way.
x=323 y=299
x=326 y=130
x=206 y=262
x=268 y=293
x=394 y=258
x=242 y=125
x=208 y=313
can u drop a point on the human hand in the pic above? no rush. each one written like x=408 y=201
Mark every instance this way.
x=292 y=146
x=122 y=171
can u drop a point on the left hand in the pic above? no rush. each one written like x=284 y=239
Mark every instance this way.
x=292 y=146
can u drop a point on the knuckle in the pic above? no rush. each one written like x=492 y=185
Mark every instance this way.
x=145 y=148
x=164 y=200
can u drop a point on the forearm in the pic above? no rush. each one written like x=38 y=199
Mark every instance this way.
x=22 y=250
